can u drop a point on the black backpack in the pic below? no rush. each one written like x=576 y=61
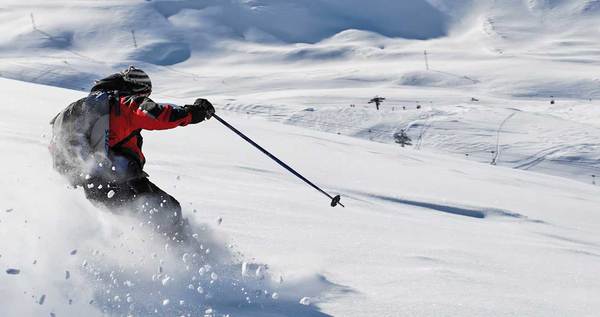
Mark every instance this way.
x=80 y=135
x=80 y=131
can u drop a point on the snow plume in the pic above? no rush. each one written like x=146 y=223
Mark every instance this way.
x=61 y=255
x=76 y=260
x=137 y=271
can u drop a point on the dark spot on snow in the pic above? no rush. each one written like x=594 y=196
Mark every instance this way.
x=254 y=169
x=13 y=271
x=42 y=299
x=317 y=54
x=424 y=258
x=73 y=252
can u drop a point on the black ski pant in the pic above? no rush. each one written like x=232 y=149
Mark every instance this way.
x=143 y=198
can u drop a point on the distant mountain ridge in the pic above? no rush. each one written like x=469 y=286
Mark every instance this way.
x=167 y=32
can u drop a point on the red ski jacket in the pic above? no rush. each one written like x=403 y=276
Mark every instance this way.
x=135 y=113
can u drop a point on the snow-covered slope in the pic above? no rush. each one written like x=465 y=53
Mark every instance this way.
x=422 y=234
x=275 y=59
x=428 y=230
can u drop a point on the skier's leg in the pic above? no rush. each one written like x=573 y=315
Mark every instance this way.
x=111 y=195
x=171 y=208
x=142 y=197
x=160 y=208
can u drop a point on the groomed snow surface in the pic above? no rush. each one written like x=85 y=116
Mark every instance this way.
x=428 y=230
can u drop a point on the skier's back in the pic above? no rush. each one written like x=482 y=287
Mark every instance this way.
x=97 y=144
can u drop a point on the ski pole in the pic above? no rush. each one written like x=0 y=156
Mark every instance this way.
x=334 y=200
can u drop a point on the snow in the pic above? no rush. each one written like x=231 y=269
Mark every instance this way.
x=305 y=301
x=428 y=230
x=430 y=233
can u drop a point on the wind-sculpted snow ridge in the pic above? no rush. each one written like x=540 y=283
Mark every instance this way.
x=70 y=44
x=299 y=21
x=115 y=31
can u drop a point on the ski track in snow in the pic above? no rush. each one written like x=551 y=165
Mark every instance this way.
x=454 y=209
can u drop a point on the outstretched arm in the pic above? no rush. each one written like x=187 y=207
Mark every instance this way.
x=153 y=116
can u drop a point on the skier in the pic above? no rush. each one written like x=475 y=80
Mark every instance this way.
x=97 y=145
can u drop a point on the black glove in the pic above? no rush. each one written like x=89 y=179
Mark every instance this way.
x=201 y=110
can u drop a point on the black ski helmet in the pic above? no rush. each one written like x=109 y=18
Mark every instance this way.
x=138 y=80
x=131 y=81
